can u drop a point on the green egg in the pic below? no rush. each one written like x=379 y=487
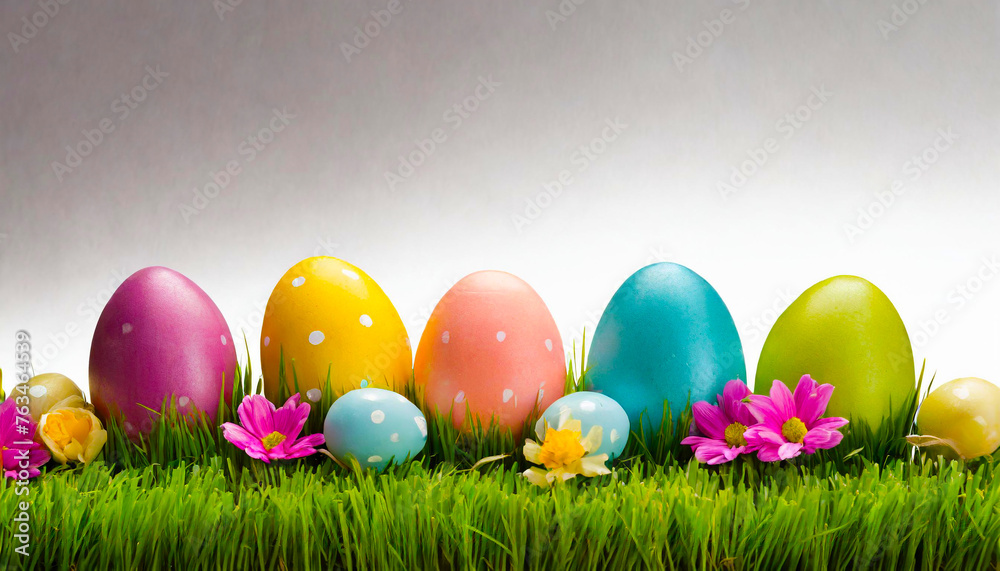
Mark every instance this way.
x=843 y=331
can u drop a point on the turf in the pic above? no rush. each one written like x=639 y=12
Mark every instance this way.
x=184 y=498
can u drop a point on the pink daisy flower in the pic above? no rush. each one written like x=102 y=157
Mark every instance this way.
x=789 y=425
x=20 y=451
x=268 y=434
x=722 y=427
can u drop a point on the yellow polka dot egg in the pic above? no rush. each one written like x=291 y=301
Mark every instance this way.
x=327 y=318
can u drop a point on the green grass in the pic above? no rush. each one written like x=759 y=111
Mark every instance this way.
x=904 y=516
x=184 y=498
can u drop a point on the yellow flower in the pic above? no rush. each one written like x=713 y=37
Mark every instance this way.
x=564 y=452
x=72 y=433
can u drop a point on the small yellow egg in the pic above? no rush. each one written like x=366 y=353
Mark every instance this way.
x=46 y=390
x=327 y=317
x=965 y=414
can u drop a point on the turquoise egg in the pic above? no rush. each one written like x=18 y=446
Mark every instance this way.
x=592 y=409
x=375 y=426
x=665 y=335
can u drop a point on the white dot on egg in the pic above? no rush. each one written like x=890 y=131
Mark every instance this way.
x=351 y=274
x=407 y=341
x=614 y=435
x=370 y=395
x=980 y=420
x=366 y=320
x=445 y=337
x=128 y=426
x=298 y=281
x=548 y=344
x=501 y=336
x=316 y=337
x=183 y=401
x=587 y=406
x=394 y=437
x=314 y=395
x=37 y=391
x=421 y=424
x=507 y=395
x=364 y=383
x=460 y=396
x=267 y=341
x=541 y=394
x=961 y=392
x=126 y=328
x=223 y=338
x=374 y=459
x=378 y=416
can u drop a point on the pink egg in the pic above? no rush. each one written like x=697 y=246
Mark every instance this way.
x=491 y=346
x=160 y=335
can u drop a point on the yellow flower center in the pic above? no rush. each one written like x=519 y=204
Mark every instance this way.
x=65 y=426
x=734 y=435
x=794 y=430
x=272 y=440
x=561 y=448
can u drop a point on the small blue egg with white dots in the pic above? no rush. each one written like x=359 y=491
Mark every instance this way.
x=592 y=409
x=375 y=426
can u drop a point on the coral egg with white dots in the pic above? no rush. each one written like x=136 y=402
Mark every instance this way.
x=160 y=336
x=327 y=317
x=488 y=348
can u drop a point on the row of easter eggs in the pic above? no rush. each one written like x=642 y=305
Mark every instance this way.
x=491 y=348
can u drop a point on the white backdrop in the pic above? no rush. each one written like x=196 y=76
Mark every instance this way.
x=765 y=146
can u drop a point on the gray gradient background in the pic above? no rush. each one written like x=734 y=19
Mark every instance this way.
x=320 y=186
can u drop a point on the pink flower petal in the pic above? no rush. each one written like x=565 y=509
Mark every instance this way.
x=763 y=410
x=789 y=450
x=255 y=416
x=710 y=420
x=712 y=454
x=768 y=454
x=291 y=418
x=811 y=402
x=730 y=401
x=821 y=439
x=238 y=435
x=762 y=435
x=832 y=423
x=782 y=400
